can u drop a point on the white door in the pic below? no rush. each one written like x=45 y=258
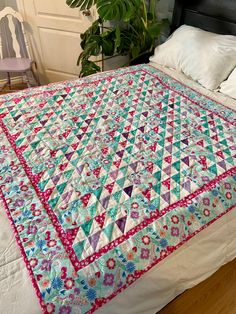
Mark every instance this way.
x=55 y=36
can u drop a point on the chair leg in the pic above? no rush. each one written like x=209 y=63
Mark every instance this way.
x=9 y=80
x=27 y=79
x=36 y=78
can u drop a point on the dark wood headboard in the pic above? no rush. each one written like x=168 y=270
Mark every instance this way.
x=218 y=16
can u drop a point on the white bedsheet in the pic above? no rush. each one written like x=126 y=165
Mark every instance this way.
x=192 y=263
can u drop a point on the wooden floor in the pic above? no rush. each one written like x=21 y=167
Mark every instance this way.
x=16 y=87
x=216 y=295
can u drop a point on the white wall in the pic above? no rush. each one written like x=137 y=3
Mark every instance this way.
x=10 y=3
x=2 y=4
x=165 y=8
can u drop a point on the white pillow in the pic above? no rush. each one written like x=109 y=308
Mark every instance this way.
x=229 y=87
x=206 y=57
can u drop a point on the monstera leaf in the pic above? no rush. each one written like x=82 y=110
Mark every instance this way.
x=109 y=9
x=117 y=9
x=82 y=4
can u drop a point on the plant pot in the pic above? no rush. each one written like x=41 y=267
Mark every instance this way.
x=144 y=58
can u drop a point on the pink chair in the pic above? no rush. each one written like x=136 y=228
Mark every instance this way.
x=16 y=46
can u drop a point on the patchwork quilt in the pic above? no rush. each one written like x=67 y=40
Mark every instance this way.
x=104 y=177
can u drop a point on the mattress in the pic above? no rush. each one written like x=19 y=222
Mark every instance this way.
x=183 y=268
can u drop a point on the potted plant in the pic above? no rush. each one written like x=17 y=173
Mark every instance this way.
x=124 y=27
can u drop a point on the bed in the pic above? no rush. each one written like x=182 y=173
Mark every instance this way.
x=116 y=258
